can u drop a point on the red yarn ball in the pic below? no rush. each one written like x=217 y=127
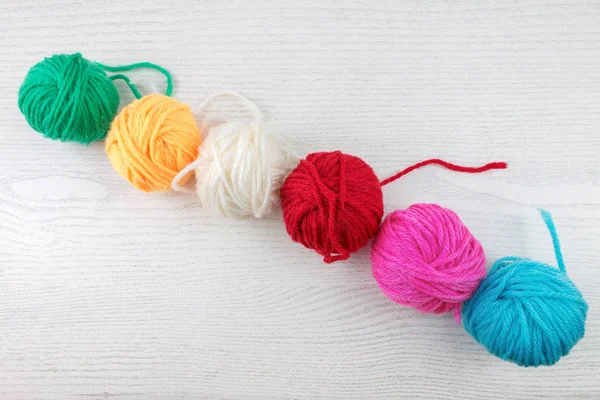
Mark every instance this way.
x=332 y=203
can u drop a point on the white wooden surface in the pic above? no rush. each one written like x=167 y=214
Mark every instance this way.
x=106 y=292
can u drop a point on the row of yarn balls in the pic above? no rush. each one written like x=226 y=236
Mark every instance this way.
x=424 y=257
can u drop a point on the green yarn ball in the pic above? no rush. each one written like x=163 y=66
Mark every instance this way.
x=68 y=98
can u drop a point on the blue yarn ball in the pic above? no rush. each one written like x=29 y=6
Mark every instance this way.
x=526 y=312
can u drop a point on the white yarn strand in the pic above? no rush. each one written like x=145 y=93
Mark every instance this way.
x=175 y=183
x=150 y=85
x=224 y=93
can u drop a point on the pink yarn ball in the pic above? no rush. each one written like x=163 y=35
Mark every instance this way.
x=424 y=257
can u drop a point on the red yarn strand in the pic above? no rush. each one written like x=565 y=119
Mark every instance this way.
x=447 y=165
x=334 y=211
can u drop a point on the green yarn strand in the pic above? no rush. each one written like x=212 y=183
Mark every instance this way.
x=133 y=88
x=145 y=64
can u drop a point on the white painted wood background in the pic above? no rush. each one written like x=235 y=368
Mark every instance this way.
x=106 y=292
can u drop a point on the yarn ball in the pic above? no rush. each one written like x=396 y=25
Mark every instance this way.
x=240 y=170
x=332 y=203
x=526 y=312
x=151 y=140
x=424 y=257
x=68 y=98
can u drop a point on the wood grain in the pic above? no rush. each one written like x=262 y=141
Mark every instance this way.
x=106 y=292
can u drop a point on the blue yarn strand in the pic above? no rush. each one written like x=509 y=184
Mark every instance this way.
x=555 y=242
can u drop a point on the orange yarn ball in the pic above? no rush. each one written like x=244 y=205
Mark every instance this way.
x=151 y=140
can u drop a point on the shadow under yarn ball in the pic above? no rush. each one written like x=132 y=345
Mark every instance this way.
x=332 y=203
x=68 y=98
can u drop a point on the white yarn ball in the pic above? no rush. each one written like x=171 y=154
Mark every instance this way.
x=240 y=170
